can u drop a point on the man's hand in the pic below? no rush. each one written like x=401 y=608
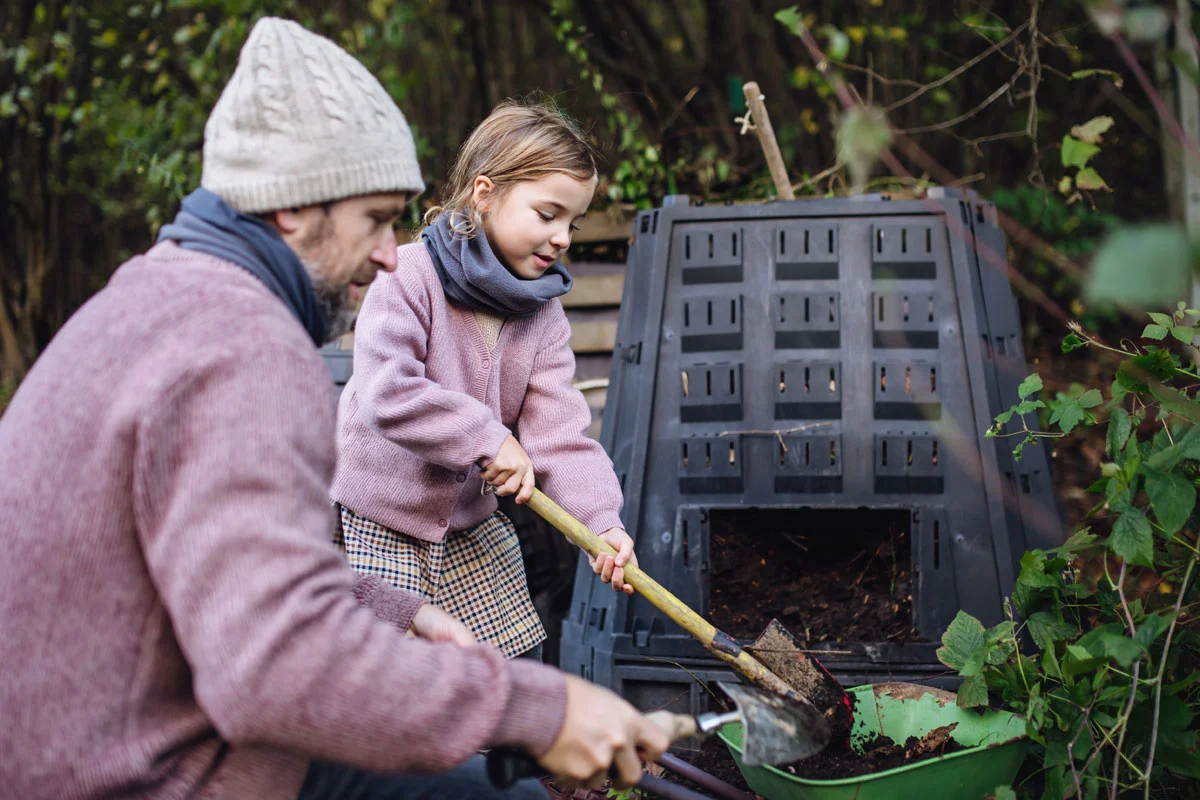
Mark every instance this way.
x=435 y=625
x=611 y=568
x=602 y=731
x=511 y=471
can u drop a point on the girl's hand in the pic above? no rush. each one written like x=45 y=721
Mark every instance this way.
x=436 y=625
x=511 y=471
x=610 y=568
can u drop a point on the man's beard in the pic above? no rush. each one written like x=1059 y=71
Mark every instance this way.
x=334 y=302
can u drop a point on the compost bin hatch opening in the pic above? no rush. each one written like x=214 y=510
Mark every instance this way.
x=829 y=575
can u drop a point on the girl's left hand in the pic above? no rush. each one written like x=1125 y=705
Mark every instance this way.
x=611 y=569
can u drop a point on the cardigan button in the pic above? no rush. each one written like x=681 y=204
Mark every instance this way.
x=486 y=363
x=442 y=522
x=461 y=477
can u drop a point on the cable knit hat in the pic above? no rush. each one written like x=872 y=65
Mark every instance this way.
x=302 y=122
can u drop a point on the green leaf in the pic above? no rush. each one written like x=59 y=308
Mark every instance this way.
x=1004 y=416
x=1075 y=153
x=1047 y=627
x=963 y=645
x=1026 y=406
x=1131 y=538
x=1176 y=402
x=973 y=692
x=1067 y=413
x=1153 y=626
x=1033 y=572
x=1088 y=178
x=1078 y=661
x=839 y=43
x=1183 y=333
x=791 y=18
x=1003 y=793
x=1092 y=131
x=1080 y=540
x=1072 y=342
x=1162 y=319
x=1172 y=497
x=1029 y=386
x=863 y=134
x=1117 y=646
x=1156 y=332
x=1140 y=266
x=1115 y=77
x=1119 y=427
x=1090 y=399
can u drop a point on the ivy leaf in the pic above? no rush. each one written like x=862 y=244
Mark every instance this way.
x=1119 y=427
x=1075 y=153
x=973 y=692
x=1142 y=266
x=1072 y=342
x=1172 y=497
x=963 y=646
x=1029 y=386
x=1131 y=538
x=1092 y=131
x=1088 y=178
x=1156 y=332
x=1067 y=413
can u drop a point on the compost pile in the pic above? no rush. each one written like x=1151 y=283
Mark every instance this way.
x=878 y=754
x=827 y=576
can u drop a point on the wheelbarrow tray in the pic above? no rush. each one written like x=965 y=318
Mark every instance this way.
x=995 y=741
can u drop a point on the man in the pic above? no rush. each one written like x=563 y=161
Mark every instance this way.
x=174 y=619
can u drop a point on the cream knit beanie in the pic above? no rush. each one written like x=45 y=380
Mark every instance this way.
x=302 y=122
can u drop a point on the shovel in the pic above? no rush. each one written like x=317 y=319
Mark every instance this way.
x=779 y=667
x=775 y=730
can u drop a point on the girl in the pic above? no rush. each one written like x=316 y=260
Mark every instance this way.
x=464 y=343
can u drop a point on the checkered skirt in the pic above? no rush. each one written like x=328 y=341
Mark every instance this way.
x=475 y=575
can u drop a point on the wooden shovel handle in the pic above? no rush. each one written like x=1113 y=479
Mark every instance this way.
x=717 y=642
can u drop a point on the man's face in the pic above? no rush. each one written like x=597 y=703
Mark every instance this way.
x=342 y=246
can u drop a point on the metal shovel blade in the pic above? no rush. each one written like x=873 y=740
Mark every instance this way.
x=776 y=729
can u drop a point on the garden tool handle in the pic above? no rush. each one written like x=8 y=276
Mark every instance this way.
x=716 y=641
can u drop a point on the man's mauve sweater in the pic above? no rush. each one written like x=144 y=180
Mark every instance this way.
x=429 y=399
x=174 y=618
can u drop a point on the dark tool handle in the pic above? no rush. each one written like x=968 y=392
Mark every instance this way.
x=507 y=765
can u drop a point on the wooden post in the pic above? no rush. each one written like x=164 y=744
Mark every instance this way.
x=766 y=137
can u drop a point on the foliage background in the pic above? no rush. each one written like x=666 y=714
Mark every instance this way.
x=102 y=107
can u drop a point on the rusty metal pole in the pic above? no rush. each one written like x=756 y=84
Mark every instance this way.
x=766 y=137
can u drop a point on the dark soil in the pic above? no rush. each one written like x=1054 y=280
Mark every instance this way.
x=714 y=758
x=878 y=755
x=827 y=575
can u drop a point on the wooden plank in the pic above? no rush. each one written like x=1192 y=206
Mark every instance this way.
x=593 y=337
x=595 y=290
x=606 y=225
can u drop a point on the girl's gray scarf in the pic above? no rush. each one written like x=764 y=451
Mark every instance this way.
x=473 y=276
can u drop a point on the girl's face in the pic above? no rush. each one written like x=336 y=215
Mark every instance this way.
x=530 y=226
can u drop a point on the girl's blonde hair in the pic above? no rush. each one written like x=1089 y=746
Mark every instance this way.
x=517 y=142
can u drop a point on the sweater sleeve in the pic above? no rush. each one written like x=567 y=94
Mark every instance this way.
x=231 y=477
x=391 y=340
x=571 y=468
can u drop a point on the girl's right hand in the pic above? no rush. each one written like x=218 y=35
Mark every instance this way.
x=511 y=471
